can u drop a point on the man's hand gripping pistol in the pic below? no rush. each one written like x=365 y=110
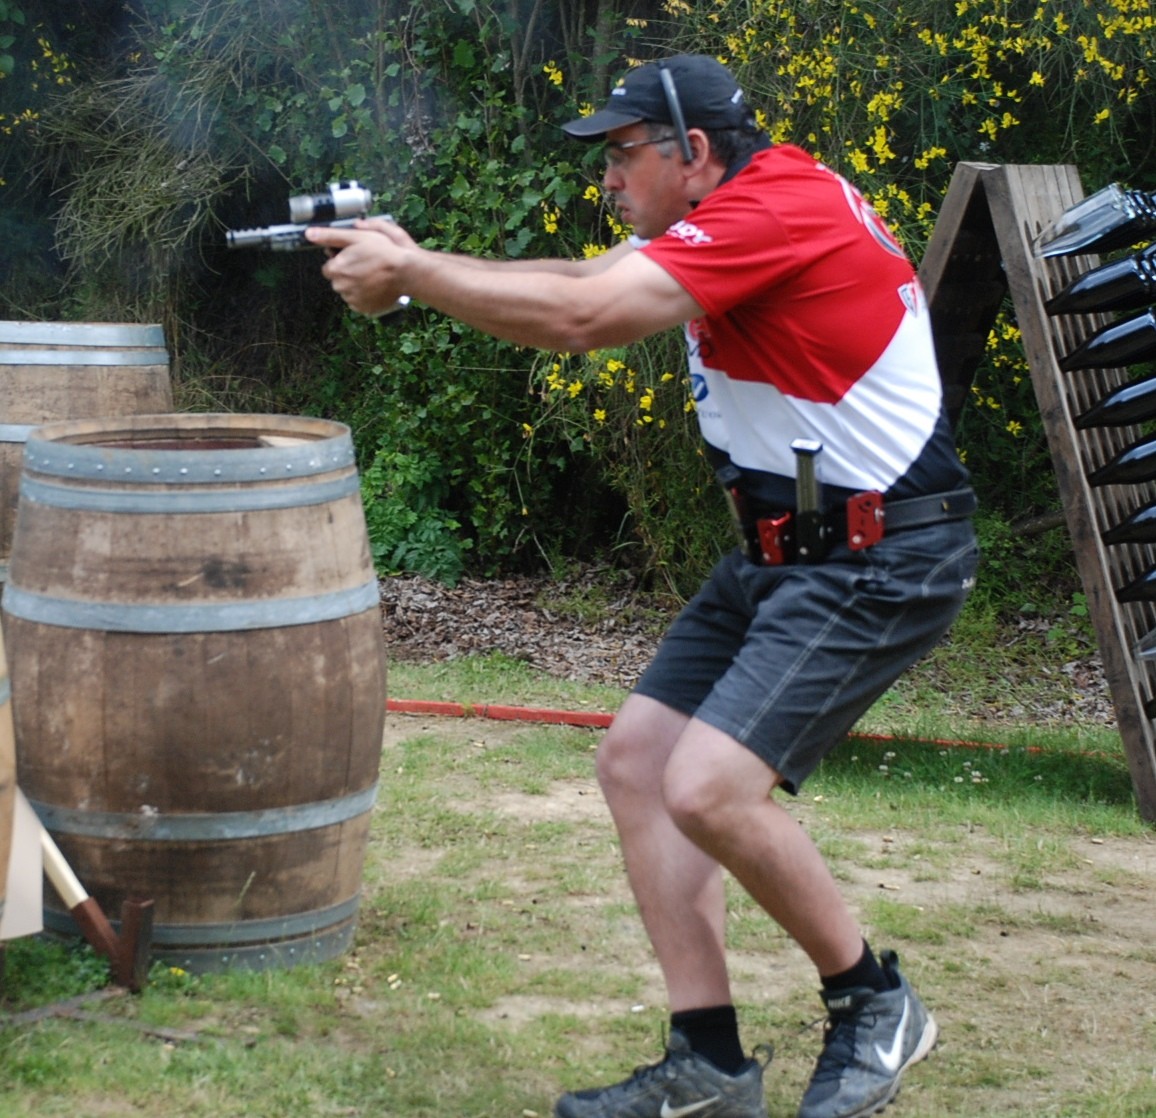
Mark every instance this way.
x=339 y=207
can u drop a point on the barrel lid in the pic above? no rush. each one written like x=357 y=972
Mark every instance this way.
x=189 y=449
x=99 y=355
x=81 y=333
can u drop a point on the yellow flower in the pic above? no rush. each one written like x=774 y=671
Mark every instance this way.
x=923 y=161
x=880 y=145
x=592 y=193
x=552 y=72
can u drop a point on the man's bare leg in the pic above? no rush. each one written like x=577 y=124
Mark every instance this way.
x=678 y=887
x=719 y=795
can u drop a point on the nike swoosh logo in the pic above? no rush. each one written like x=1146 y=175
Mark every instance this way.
x=890 y=1057
x=669 y=1111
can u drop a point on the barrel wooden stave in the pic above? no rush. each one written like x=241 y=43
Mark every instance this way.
x=122 y=722
x=40 y=393
x=231 y=557
x=234 y=884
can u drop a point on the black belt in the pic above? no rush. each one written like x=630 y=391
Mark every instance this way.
x=861 y=523
x=917 y=512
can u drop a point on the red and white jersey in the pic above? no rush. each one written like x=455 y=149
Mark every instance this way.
x=815 y=327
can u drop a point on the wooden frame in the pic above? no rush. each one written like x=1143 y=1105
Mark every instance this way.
x=979 y=253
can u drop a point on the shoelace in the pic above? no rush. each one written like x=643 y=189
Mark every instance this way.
x=645 y=1073
x=838 y=1046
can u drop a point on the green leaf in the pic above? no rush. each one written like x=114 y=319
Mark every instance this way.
x=464 y=58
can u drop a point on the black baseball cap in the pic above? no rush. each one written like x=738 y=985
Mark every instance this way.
x=708 y=93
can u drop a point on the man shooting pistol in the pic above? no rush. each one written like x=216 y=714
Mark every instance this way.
x=804 y=320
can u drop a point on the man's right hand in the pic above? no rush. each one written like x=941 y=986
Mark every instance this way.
x=366 y=263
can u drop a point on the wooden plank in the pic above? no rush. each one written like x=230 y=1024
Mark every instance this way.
x=963 y=281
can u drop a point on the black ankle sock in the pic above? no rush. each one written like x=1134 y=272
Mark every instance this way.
x=713 y=1034
x=866 y=972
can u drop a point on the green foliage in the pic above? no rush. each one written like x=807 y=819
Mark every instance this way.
x=630 y=411
x=408 y=528
x=39 y=970
x=1023 y=573
x=10 y=17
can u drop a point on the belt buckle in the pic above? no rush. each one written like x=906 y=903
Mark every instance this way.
x=865 y=520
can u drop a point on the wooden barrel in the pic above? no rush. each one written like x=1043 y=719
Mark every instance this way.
x=71 y=370
x=198 y=682
x=7 y=776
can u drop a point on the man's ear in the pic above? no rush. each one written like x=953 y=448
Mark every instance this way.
x=699 y=147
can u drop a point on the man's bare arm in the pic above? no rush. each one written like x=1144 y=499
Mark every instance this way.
x=555 y=265
x=589 y=305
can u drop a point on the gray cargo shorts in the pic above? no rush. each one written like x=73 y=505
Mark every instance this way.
x=787 y=659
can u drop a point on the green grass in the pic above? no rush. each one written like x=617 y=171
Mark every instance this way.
x=499 y=959
x=497 y=678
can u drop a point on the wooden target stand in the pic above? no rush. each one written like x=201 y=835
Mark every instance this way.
x=979 y=253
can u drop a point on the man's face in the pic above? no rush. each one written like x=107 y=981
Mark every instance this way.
x=645 y=179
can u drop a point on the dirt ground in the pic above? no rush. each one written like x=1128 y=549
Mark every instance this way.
x=1043 y=992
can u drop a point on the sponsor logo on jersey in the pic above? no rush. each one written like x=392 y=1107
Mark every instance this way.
x=909 y=296
x=690 y=233
x=698 y=340
x=867 y=215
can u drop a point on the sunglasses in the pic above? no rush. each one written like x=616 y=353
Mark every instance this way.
x=613 y=153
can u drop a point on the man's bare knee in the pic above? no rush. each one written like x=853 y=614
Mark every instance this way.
x=636 y=748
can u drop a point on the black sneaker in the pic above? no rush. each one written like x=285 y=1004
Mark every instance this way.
x=683 y=1085
x=871 y=1040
